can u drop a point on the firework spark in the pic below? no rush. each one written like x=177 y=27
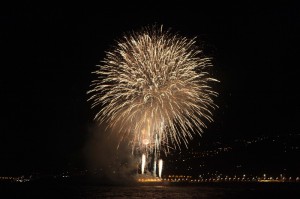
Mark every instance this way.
x=153 y=87
x=143 y=163
x=160 y=167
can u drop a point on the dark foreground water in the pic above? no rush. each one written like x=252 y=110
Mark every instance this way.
x=254 y=191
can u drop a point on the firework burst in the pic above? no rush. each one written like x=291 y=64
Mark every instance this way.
x=153 y=88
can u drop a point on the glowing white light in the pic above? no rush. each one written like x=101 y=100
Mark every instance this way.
x=143 y=163
x=160 y=166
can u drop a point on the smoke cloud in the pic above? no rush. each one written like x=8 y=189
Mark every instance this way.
x=110 y=160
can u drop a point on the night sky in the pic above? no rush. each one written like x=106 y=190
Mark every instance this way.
x=49 y=52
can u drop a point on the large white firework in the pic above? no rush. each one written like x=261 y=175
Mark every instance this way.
x=154 y=88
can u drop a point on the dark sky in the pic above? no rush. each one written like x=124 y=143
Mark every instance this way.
x=49 y=51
